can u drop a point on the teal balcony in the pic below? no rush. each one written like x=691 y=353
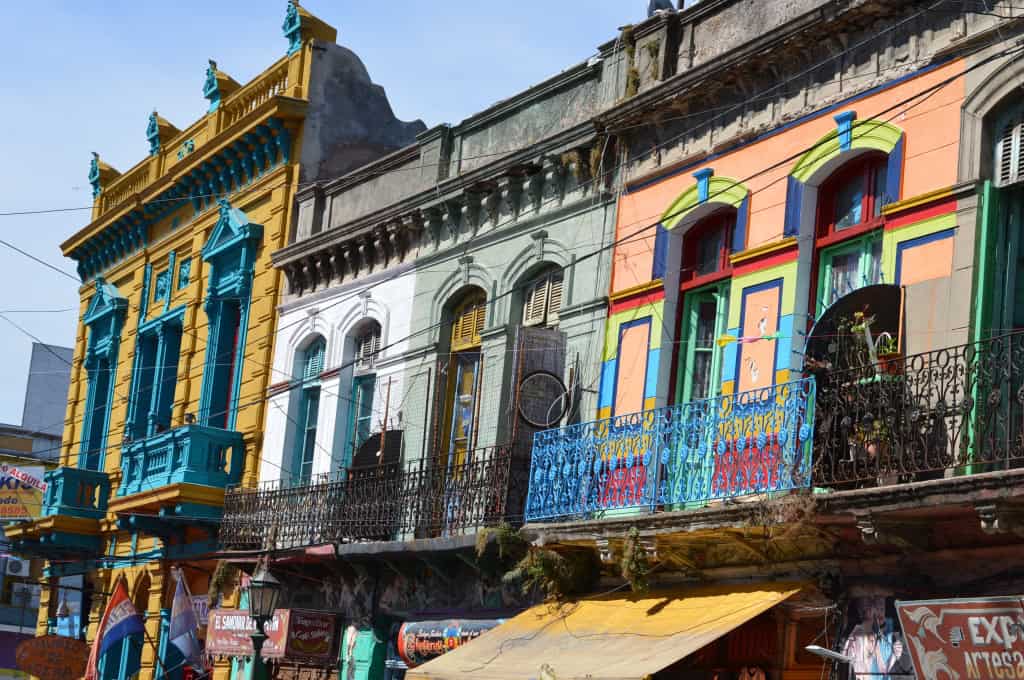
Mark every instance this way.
x=192 y=455
x=76 y=492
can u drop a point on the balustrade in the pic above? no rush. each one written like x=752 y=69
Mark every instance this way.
x=675 y=457
x=76 y=492
x=192 y=454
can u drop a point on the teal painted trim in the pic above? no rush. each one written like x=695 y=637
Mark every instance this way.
x=170 y=274
x=844 y=128
x=192 y=549
x=292 y=28
x=191 y=454
x=135 y=544
x=104 y=319
x=184 y=272
x=703 y=178
x=94 y=175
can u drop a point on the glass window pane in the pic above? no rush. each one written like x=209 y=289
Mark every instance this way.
x=849 y=200
x=873 y=270
x=709 y=251
x=845 y=273
x=701 y=375
x=707 y=311
x=881 y=198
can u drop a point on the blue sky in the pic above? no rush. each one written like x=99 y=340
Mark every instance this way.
x=84 y=76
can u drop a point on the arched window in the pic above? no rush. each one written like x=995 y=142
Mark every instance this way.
x=849 y=241
x=311 y=366
x=360 y=423
x=542 y=299
x=461 y=371
x=705 y=271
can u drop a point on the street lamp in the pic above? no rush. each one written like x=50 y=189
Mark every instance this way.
x=263 y=592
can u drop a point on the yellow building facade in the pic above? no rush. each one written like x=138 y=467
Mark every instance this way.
x=172 y=357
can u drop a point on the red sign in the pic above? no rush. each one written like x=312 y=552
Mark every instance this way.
x=977 y=639
x=52 y=657
x=295 y=635
x=422 y=641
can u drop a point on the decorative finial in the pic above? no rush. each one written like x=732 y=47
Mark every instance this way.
x=211 y=90
x=224 y=206
x=291 y=27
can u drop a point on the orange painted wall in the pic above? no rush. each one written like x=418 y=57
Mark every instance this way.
x=930 y=163
x=927 y=261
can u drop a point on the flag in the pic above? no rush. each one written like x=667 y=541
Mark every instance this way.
x=120 y=619
x=184 y=628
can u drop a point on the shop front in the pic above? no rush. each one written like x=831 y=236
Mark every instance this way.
x=300 y=644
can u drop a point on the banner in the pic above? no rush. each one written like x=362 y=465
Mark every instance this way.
x=421 y=641
x=294 y=635
x=52 y=657
x=21 y=491
x=965 y=639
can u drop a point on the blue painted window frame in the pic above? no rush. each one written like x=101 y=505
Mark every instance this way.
x=104 y=320
x=309 y=405
x=155 y=374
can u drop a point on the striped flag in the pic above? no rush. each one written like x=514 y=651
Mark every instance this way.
x=120 y=620
x=184 y=628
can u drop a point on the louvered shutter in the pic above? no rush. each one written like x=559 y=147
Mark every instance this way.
x=367 y=347
x=468 y=323
x=554 y=299
x=535 y=303
x=314 y=363
x=1009 y=159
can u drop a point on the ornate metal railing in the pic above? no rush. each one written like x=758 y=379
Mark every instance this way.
x=739 y=444
x=958 y=410
x=415 y=499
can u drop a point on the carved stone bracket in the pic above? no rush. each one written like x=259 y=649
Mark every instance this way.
x=997 y=518
x=903 y=534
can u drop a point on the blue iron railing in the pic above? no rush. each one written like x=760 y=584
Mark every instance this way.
x=192 y=454
x=677 y=456
x=76 y=492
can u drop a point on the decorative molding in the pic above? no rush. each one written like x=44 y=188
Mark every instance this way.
x=758 y=252
x=639 y=289
x=292 y=28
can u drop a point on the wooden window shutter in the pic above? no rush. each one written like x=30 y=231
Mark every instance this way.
x=314 y=360
x=554 y=299
x=468 y=323
x=535 y=303
x=367 y=347
x=1009 y=157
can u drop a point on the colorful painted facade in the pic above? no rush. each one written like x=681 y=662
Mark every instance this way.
x=178 y=309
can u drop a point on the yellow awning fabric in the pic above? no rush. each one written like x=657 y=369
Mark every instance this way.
x=606 y=637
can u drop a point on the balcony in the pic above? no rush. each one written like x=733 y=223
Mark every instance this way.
x=191 y=455
x=76 y=492
x=675 y=457
x=414 y=499
x=68 y=527
x=951 y=412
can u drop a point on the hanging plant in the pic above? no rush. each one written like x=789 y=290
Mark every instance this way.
x=634 y=565
x=223 y=578
x=556 y=575
x=499 y=549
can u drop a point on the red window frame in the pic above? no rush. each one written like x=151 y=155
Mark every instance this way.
x=866 y=170
x=724 y=219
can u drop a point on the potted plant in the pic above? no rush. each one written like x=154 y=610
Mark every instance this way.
x=890 y=360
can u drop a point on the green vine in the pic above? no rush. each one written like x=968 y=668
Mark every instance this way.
x=634 y=564
x=556 y=575
x=628 y=39
x=499 y=549
x=653 y=50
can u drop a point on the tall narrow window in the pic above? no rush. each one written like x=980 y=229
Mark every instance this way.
x=155 y=376
x=849 y=218
x=98 y=406
x=142 y=394
x=462 y=378
x=224 y=364
x=361 y=423
x=706 y=246
x=309 y=409
x=104 y=318
x=367 y=346
x=542 y=299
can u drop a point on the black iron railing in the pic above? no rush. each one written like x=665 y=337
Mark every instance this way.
x=953 y=411
x=415 y=499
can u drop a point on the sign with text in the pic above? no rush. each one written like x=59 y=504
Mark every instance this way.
x=21 y=491
x=421 y=641
x=294 y=635
x=52 y=657
x=965 y=639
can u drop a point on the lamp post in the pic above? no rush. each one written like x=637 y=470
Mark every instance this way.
x=263 y=592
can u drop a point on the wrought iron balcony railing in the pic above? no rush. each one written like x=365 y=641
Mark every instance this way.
x=391 y=501
x=191 y=454
x=673 y=457
x=953 y=411
x=76 y=492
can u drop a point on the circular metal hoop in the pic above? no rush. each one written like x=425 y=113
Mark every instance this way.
x=543 y=399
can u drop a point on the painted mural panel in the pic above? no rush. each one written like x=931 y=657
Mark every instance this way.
x=631 y=377
x=760 y=310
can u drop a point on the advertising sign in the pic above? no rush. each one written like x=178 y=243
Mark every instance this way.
x=965 y=639
x=421 y=641
x=293 y=635
x=21 y=491
x=52 y=657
